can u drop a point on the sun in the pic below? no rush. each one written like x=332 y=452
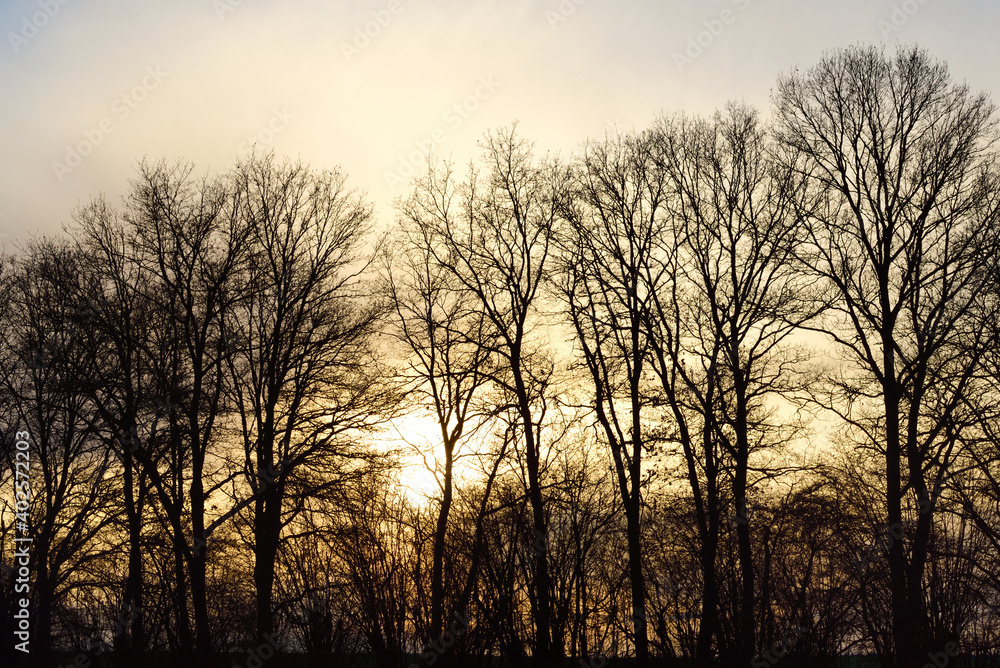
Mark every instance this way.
x=418 y=436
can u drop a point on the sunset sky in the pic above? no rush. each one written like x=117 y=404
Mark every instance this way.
x=91 y=87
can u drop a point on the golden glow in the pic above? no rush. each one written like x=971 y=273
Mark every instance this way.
x=418 y=436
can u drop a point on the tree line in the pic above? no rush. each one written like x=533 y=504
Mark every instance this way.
x=720 y=391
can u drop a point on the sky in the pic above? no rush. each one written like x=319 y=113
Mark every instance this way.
x=91 y=87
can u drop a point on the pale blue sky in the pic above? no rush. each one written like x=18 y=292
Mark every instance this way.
x=194 y=79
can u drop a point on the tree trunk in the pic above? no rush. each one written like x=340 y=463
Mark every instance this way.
x=181 y=599
x=199 y=567
x=637 y=582
x=437 y=568
x=132 y=615
x=267 y=528
x=543 y=649
x=905 y=613
x=743 y=542
x=709 y=625
x=633 y=503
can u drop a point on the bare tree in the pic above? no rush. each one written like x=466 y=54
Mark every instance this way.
x=607 y=285
x=904 y=162
x=973 y=486
x=182 y=235
x=376 y=552
x=736 y=230
x=304 y=378
x=449 y=346
x=494 y=235
x=119 y=322
x=70 y=474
